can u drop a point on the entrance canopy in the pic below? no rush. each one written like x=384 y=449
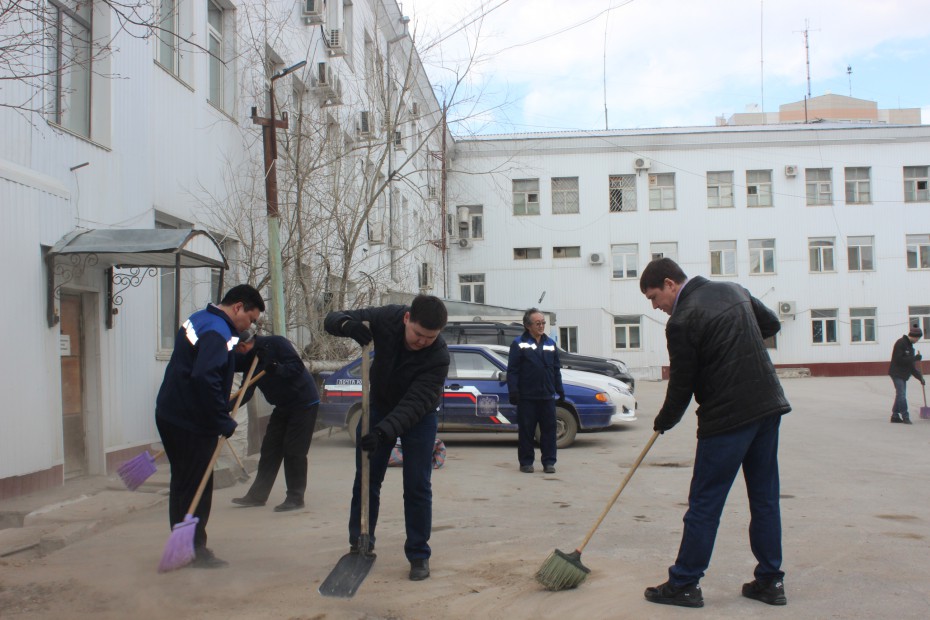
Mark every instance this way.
x=141 y=251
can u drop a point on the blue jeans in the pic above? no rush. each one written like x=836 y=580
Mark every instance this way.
x=716 y=463
x=900 y=397
x=418 y=443
x=531 y=412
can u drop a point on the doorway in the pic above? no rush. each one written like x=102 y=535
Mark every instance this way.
x=72 y=386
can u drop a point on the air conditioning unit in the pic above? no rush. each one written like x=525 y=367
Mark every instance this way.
x=336 y=43
x=641 y=163
x=464 y=243
x=596 y=258
x=364 y=125
x=791 y=171
x=432 y=192
x=787 y=308
x=313 y=11
x=415 y=110
x=375 y=232
x=452 y=228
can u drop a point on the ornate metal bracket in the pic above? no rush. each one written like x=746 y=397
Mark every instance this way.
x=117 y=282
x=60 y=274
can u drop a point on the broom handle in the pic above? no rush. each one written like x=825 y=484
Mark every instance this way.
x=219 y=445
x=365 y=458
x=613 y=499
x=924 y=389
x=161 y=453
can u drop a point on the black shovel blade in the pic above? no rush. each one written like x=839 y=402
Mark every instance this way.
x=348 y=575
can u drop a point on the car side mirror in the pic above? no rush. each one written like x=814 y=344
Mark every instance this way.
x=502 y=376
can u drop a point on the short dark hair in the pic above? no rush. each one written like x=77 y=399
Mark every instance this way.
x=428 y=312
x=656 y=271
x=526 y=316
x=245 y=293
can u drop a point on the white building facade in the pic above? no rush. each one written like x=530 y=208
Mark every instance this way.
x=829 y=225
x=114 y=133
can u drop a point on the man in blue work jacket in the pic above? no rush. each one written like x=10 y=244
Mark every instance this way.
x=534 y=380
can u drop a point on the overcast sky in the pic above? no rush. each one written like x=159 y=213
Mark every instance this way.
x=668 y=62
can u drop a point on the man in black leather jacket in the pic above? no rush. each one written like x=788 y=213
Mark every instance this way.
x=716 y=352
x=903 y=365
x=409 y=371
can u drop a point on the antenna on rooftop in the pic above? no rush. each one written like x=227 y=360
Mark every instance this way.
x=849 y=73
x=807 y=55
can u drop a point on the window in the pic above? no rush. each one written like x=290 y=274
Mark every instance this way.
x=527 y=253
x=918 y=251
x=169 y=49
x=473 y=228
x=860 y=252
x=919 y=316
x=915 y=184
x=167 y=330
x=820 y=251
x=761 y=256
x=566 y=251
x=471 y=287
x=759 y=188
x=819 y=186
x=526 y=197
x=622 y=193
x=823 y=326
x=719 y=189
x=662 y=191
x=568 y=339
x=626 y=332
x=667 y=249
x=858 y=186
x=723 y=258
x=862 y=324
x=565 y=195
x=70 y=64
x=468 y=365
x=215 y=42
x=624 y=260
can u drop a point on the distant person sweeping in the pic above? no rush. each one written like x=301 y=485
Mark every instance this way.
x=904 y=364
x=290 y=388
x=410 y=365
x=715 y=334
x=192 y=408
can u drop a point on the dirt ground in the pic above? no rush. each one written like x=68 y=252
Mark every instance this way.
x=855 y=512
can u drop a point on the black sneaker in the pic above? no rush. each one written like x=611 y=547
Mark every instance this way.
x=896 y=419
x=770 y=592
x=906 y=420
x=288 y=505
x=685 y=596
x=247 y=501
x=204 y=558
x=548 y=469
x=419 y=569
x=526 y=469
x=353 y=548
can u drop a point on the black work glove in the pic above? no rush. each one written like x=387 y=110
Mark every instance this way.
x=660 y=425
x=357 y=331
x=561 y=395
x=918 y=357
x=923 y=382
x=514 y=398
x=229 y=426
x=373 y=440
x=267 y=361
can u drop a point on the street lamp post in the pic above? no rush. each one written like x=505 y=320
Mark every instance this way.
x=270 y=146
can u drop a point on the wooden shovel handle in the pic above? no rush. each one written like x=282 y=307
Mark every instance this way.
x=219 y=444
x=365 y=462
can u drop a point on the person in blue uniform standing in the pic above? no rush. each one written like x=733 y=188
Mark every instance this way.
x=288 y=386
x=192 y=409
x=534 y=381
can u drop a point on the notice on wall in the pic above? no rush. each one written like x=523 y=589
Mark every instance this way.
x=65 y=344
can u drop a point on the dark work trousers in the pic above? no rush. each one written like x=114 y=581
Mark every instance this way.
x=531 y=412
x=718 y=459
x=418 y=443
x=287 y=439
x=189 y=455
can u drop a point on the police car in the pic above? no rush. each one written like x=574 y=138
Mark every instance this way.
x=475 y=398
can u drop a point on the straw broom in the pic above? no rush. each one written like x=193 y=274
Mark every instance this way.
x=562 y=571
x=179 y=550
x=141 y=467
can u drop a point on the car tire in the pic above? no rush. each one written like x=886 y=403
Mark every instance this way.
x=566 y=428
x=355 y=416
